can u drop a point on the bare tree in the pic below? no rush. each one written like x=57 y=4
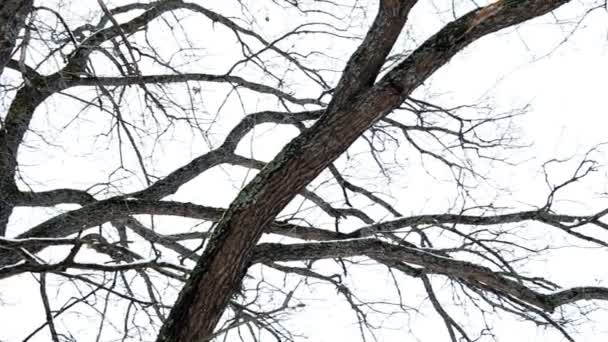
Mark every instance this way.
x=137 y=79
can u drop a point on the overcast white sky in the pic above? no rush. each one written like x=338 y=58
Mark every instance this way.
x=559 y=77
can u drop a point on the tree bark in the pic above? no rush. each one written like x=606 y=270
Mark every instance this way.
x=228 y=253
x=12 y=20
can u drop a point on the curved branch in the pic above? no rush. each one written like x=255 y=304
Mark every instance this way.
x=432 y=263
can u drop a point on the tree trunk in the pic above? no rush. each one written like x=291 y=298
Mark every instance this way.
x=12 y=20
x=226 y=258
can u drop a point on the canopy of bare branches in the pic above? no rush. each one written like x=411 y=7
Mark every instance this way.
x=193 y=170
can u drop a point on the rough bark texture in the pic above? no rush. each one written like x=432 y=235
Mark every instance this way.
x=12 y=20
x=11 y=134
x=225 y=260
x=433 y=264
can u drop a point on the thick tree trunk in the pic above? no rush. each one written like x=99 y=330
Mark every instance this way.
x=226 y=258
x=12 y=20
x=14 y=127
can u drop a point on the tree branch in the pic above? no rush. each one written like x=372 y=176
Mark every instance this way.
x=229 y=250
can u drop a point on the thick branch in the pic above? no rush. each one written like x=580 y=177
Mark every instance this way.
x=365 y=64
x=12 y=20
x=474 y=220
x=229 y=250
x=52 y=231
x=53 y=197
x=432 y=263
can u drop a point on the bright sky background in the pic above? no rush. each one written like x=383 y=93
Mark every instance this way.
x=558 y=76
